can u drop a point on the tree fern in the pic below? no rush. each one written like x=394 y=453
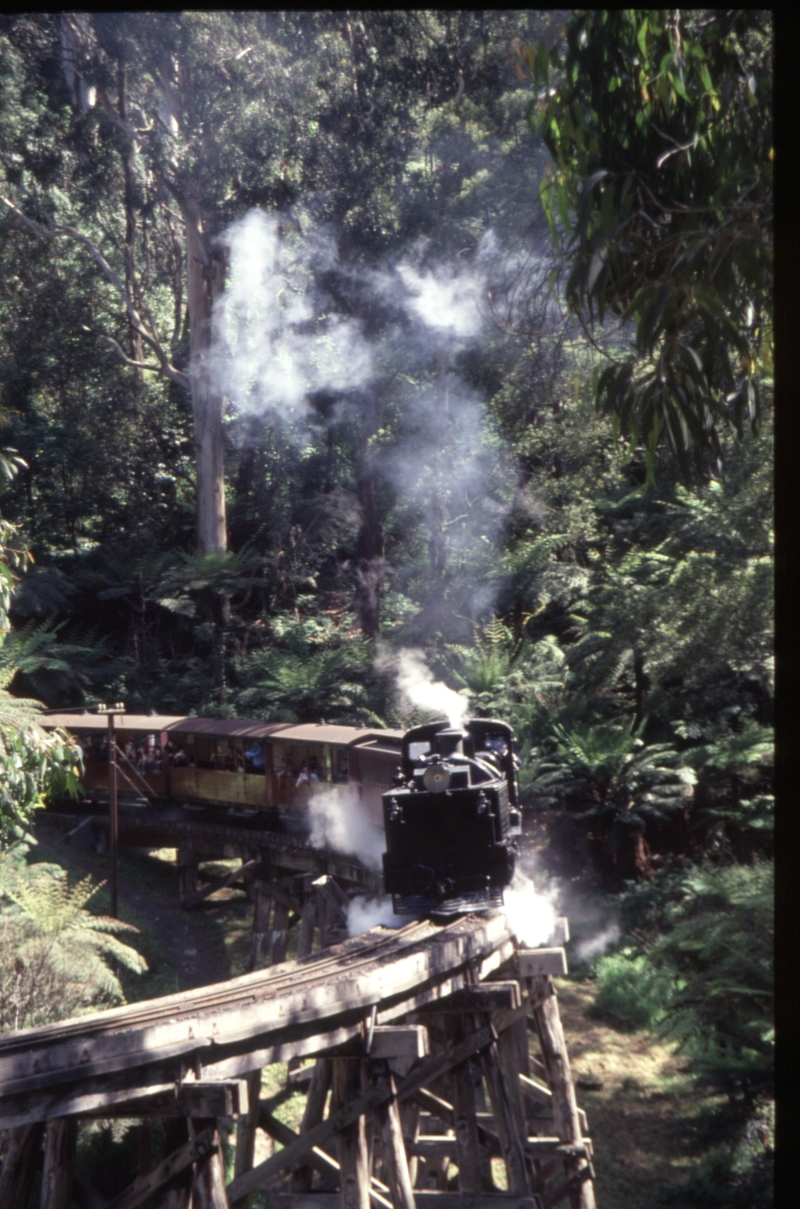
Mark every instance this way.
x=58 y=957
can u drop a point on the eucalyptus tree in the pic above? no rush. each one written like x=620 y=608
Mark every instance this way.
x=659 y=200
x=190 y=106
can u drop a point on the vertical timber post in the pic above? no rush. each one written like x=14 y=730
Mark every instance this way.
x=324 y=917
x=511 y=1144
x=187 y=870
x=178 y=1193
x=394 y=1152
x=312 y=1115
x=208 y=1191
x=511 y=1066
x=21 y=1162
x=280 y=931
x=556 y=1062
x=352 y=1141
x=308 y=921
x=113 y=816
x=260 y=940
x=59 y=1163
x=247 y=1125
x=465 y=1122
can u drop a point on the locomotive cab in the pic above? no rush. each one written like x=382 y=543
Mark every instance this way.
x=451 y=817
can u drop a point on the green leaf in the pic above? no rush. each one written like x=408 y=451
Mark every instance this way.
x=585 y=201
x=543 y=62
x=641 y=37
x=595 y=269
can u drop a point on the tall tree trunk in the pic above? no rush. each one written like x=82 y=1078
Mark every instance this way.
x=205 y=280
x=369 y=552
x=127 y=155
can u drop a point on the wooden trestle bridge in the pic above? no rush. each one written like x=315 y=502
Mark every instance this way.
x=420 y=1036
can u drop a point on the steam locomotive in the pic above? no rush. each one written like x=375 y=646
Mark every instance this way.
x=451 y=817
x=447 y=799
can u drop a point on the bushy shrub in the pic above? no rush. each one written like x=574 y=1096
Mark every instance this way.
x=631 y=992
x=719 y=952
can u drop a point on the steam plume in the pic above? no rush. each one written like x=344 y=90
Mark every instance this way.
x=339 y=822
x=447 y=299
x=418 y=689
x=272 y=347
x=531 y=915
x=598 y=943
x=366 y=913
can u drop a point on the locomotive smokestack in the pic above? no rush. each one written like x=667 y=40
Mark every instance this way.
x=449 y=742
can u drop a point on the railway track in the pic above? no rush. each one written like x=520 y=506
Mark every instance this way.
x=222 y=1032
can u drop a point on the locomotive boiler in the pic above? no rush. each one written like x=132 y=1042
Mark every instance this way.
x=451 y=817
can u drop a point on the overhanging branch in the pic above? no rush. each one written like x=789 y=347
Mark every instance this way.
x=165 y=366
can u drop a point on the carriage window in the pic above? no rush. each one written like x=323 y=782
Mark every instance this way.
x=204 y=746
x=417 y=750
x=226 y=755
x=339 y=765
x=496 y=743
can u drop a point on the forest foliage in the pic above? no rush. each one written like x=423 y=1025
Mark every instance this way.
x=487 y=307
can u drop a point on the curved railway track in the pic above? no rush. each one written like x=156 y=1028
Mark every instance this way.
x=224 y=1031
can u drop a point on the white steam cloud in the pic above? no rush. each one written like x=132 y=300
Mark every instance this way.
x=598 y=944
x=418 y=689
x=444 y=302
x=340 y=823
x=446 y=299
x=366 y=913
x=532 y=916
x=281 y=335
x=272 y=346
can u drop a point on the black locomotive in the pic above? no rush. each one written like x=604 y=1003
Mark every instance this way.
x=451 y=818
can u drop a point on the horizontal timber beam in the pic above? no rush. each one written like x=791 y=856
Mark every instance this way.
x=486 y=997
x=438 y=1146
x=533 y=963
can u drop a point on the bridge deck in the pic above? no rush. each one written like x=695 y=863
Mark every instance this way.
x=217 y=834
x=223 y=1031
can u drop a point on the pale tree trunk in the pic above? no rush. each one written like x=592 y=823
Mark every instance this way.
x=128 y=167
x=369 y=542
x=205 y=281
x=369 y=553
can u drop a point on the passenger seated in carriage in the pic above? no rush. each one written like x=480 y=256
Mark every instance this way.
x=254 y=756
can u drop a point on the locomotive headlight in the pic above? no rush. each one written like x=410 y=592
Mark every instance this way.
x=482 y=804
x=436 y=778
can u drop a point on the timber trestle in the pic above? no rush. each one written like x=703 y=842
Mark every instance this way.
x=199 y=839
x=424 y=1093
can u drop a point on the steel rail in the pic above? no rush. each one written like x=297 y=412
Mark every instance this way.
x=299 y=1007
x=192 y=1002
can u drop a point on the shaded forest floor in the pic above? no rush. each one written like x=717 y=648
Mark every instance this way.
x=642 y=1119
x=183 y=949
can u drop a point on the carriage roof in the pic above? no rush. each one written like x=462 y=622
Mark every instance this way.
x=287 y=732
